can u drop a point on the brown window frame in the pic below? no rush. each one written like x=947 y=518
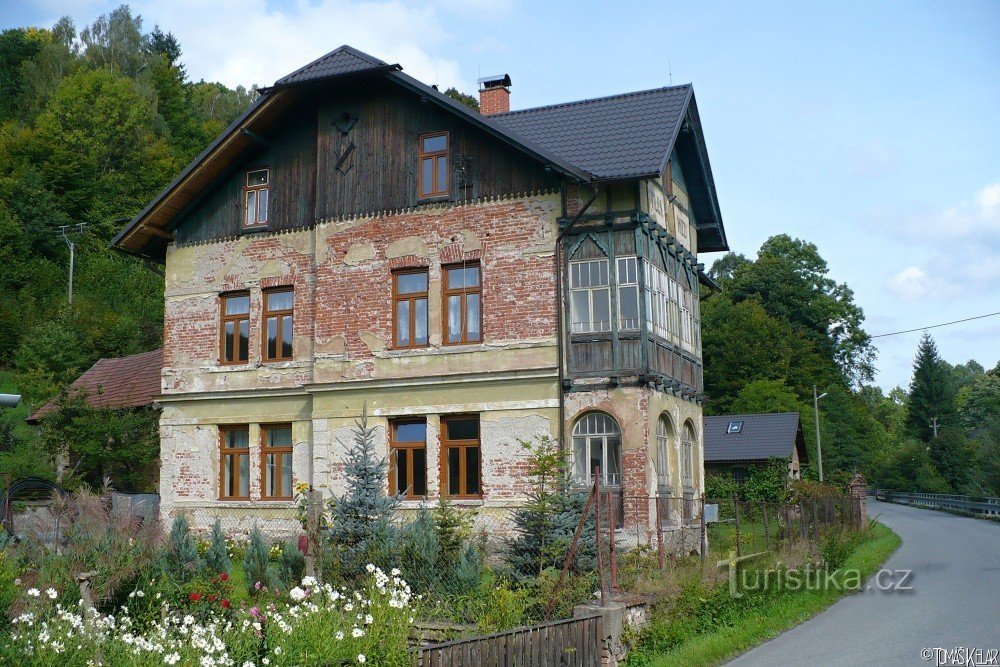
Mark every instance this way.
x=433 y=156
x=394 y=445
x=280 y=314
x=412 y=297
x=462 y=446
x=462 y=293
x=236 y=319
x=236 y=452
x=247 y=189
x=264 y=451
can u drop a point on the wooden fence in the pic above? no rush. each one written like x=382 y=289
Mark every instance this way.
x=574 y=642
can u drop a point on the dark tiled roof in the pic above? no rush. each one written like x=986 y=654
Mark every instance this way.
x=344 y=60
x=763 y=436
x=620 y=136
x=124 y=382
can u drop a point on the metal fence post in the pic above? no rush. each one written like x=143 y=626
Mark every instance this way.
x=767 y=527
x=661 y=552
x=612 y=553
x=736 y=514
x=597 y=531
x=704 y=531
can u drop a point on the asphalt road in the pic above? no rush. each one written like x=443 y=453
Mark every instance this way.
x=954 y=601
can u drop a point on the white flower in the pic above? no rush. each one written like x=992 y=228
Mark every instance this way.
x=277 y=650
x=339 y=635
x=265 y=661
x=395 y=572
x=297 y=594
x=309 y=582
x=349 y=606
x=248 y=664
x=172 y=659
x=52 y=593
x=369 y=619
x=140 y=594
x=362 y=658
x=357 y=632
x=33 y=592
x=370 y=568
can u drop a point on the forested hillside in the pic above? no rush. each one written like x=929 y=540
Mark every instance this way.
x=93 y=123
x=780 y=325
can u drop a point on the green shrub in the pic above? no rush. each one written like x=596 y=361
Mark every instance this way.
x=837 y=544
x=501 y=606
x=291 y=566
x=8 y=589
x=420 y=551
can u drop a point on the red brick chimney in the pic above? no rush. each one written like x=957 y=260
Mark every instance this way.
x=494 y=94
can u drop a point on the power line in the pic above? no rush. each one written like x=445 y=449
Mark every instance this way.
x=935 y=326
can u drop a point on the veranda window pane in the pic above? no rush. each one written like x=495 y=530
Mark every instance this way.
x=580 y=459
x=597 y=456
x=472 y=317
x=602 y=310
x=454 y=318
x=581 y=311
x=453 y=471
x=403 y=322
x=286 y=336
x=419 y=472
x=628 y=303
x=472 y=470
x=420 y=322
x=614 y=461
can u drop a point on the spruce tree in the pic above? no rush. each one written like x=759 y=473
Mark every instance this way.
x=932 y=392
x=256 y=561
x=361 y=527
x=217 y=555
x=181 y=560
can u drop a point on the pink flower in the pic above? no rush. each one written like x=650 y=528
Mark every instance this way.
x=256 y=586
x=254 y=611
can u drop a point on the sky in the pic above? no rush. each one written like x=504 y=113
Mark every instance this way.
x=871 y=129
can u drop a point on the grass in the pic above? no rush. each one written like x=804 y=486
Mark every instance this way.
x=779 y=614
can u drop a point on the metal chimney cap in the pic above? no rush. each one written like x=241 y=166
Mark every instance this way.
x=495 y=81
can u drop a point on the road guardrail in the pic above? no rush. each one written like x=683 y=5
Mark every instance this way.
x=975 y=504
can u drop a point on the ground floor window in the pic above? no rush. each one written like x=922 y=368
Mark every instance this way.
x=234 y=468
x=687 y=455
x=276 y=458
x=408 y=459
x=597 y=445
x=461 y=464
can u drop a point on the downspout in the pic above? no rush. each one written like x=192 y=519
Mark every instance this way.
x=560 y=343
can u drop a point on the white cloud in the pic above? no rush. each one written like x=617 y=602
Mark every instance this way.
x=965 y=243
x=250 y=41
x=911 y=283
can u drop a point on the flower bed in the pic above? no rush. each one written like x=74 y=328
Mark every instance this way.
x=311 y=624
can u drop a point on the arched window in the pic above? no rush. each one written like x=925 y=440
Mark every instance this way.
x=597 y=443
x=664 y=441
x=687 y=454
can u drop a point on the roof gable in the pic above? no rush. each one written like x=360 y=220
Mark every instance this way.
x=762 y=436
x=339 y=62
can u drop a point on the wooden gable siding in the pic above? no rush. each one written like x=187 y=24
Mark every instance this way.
x=379 y=174
x=382 y=170
x=291 y=158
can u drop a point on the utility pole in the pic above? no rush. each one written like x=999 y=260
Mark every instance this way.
x=819 y=446
x=71 y=237
x=934 y=425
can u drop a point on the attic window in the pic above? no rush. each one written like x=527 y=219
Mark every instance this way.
x=255 y=197
x=735 y=427
x=434 y=165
